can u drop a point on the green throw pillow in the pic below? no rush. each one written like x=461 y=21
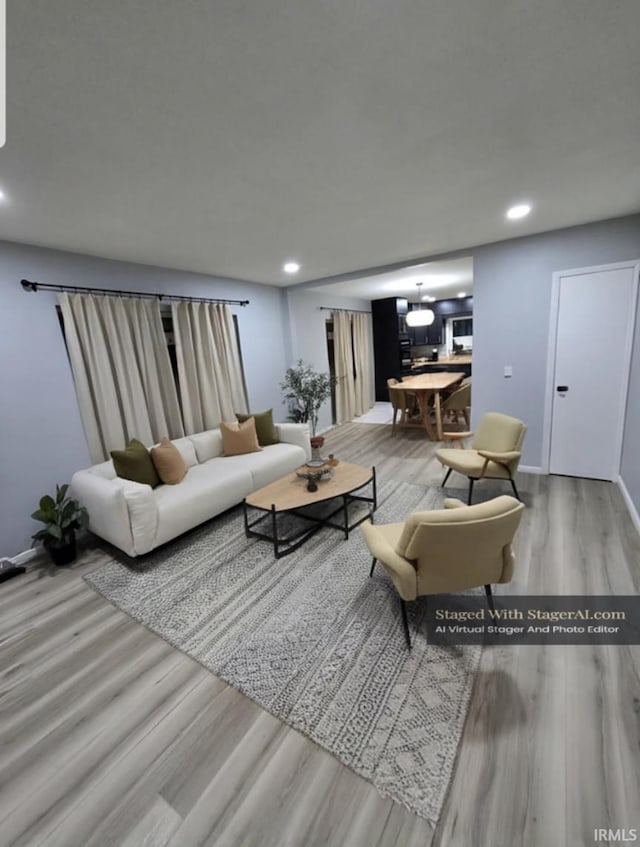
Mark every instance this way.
x=265 y=428
x=135 y=463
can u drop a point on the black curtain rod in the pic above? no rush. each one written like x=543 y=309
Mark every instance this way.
x=356 y=311
x=37 y=286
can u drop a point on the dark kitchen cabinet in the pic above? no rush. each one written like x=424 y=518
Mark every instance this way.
x=418 y=335
x=435 y=332
x=454 y=306
x=444 y=309
x=391 y=342
x=424 y=335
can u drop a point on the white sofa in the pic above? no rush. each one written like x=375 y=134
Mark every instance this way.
x=137 y=518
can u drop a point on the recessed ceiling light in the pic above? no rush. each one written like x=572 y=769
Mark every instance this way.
x=428 y=298
x=291 y=267
x=3 y=196
x=521 y=210
x=462 y=294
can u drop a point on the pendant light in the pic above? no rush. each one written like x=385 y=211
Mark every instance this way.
x=420 y=316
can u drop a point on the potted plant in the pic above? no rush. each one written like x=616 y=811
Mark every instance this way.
x=61 y=516
x=306 y=390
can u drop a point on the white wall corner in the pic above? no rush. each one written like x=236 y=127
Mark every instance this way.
x=633 y=512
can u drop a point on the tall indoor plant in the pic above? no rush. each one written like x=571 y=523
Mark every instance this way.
x=306 y=390
x=61 y=516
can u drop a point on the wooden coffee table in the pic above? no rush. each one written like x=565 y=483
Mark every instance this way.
x=289 y=496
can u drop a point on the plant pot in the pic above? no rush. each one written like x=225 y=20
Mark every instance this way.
x=65 y=553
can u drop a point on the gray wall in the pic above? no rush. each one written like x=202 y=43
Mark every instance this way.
x=512 y=303
x=41 y=437
x=308 y=339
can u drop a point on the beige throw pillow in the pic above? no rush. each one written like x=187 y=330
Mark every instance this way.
x=239 y=438
x=168 y=462
x=265 y=428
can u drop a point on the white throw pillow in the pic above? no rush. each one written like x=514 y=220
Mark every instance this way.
x=208 y=445
x=187 y=450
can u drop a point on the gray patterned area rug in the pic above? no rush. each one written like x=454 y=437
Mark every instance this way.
x=316 y=642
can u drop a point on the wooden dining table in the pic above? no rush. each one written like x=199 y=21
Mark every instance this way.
x=423 y=386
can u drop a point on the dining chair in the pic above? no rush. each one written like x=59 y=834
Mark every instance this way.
x=457 y=403
x=403 y=402
x=447 y=550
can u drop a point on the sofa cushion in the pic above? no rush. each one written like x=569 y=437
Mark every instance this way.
x=206 y=491
x=207 y=444
x=134 y=463
x=188 y=451
x=239 y=438
x=265 y=427
x=168 y=462
x=270 y=464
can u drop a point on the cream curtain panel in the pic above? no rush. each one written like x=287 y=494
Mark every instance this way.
x=362 y=348
x=209 y=368
x=352 y=354
x=121 y=369
x=343 y=357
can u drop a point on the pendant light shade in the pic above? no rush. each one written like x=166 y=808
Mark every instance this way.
x=420 y=316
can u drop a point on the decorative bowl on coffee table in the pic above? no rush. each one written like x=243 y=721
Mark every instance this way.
x=313 y=474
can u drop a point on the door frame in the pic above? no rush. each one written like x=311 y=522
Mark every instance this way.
x=634 y=265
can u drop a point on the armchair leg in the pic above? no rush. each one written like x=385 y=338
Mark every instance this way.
x=515 y=490
x=373 y=564
x=406 y=623
x=487 y=590
x=471 y=481
x=444 y=481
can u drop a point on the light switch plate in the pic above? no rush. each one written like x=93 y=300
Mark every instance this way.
x=508 y=370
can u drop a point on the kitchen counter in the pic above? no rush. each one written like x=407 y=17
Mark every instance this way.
x=464 y=359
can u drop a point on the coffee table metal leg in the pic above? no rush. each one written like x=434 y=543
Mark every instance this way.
x=345 y=511
x=246 y=518
x=274 y=531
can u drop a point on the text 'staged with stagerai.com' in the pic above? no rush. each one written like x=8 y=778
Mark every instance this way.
x=470 y=619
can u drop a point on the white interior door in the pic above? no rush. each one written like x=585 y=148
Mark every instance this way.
x=593 y=341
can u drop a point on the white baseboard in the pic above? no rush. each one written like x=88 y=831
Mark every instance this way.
x=530 y=469
x=635 y=517
x=25 y=556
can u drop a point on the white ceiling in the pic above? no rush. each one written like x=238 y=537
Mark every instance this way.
x=440 y=280
x=227 y=136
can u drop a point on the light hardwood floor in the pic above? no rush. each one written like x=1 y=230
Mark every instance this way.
x=109 y=736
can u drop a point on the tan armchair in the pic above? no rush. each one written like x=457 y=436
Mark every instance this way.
x=445 y=550
x=494 y=453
